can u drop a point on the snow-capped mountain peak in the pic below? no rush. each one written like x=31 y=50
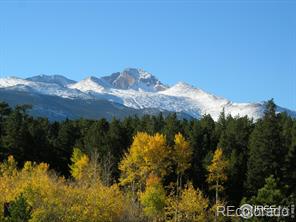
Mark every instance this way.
x=187 y=90
x=91 y=83
x=137 y=89
x=182 y=86
x=12 y=81
x=56 y=79
x=40 y=87
x=136 y=79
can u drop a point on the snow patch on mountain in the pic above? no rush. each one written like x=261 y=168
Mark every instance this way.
x=12 y=81
x=56 y=79
x=91 y=84
x=15 y=83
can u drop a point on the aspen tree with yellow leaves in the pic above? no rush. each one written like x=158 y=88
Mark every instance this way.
x=53 y=199
x=182 y=157
x=193 y=204
x=190 y=206
x=217 y=173
x=79 y=164
x=153 y=199
x=148 y=154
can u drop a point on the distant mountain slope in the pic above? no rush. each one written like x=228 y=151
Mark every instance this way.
x=27 y=85
x=57 y=79
x=57 y=108
x=133 y=90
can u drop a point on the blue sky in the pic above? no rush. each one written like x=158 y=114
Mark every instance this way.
x=242 y=50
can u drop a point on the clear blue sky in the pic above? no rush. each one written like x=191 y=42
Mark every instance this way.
x=242 y=50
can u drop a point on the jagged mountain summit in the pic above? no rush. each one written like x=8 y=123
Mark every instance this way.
x=136 y=79
x=128 y=79
x=135 y=91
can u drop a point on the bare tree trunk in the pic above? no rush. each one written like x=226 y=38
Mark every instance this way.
x=94 y=163
x=180 y=182
x=177 y=196
x=107 y=164
x=217 y=184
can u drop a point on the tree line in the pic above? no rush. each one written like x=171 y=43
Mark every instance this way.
x=152 y=168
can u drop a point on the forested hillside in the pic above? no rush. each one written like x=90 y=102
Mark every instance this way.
x=152 y=168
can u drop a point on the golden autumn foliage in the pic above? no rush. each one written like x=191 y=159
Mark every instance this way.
x=217 y=170
x=153 y=198
x=182 y=153
x=193 y=204
x=79 y=163
x=190 y=206
x=84 y=197
x=147 y=155
x=8 y=168
x=52 y=198
x=217 y=173
x=147 y=161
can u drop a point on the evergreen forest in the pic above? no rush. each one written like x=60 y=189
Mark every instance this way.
x=150 y=168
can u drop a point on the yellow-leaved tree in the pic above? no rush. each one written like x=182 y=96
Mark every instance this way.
x=148 y=154
x=193 y=204
x=182 y=156
x=217 y=172
x=79 y=164
x=9 y=167
x=51 y=198
x=190 y=206
x=153 y=198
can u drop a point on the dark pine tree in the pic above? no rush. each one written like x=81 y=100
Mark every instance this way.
x=265 y=150
x=203 y=140
x=16 y=139
x=234 y=142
